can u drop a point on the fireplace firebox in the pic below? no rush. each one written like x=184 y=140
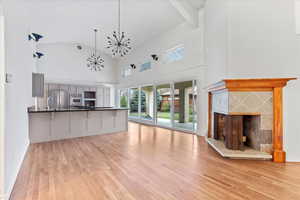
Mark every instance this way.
x=239 y=131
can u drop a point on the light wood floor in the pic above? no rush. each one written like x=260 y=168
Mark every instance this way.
x=148 y=163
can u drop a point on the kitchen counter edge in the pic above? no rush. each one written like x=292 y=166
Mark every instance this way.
x=32 y=110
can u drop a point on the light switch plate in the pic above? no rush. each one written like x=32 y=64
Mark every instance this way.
x=8 y=78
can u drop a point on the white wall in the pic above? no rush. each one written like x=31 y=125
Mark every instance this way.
x=64 y=63
x=190 y=67
x=261 y=42
x=2 y=106
x=297 y=15
x=20 y=64
x=216 y=36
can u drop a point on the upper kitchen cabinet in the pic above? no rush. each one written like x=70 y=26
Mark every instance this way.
x=107 y=102
x=80 y=89
x=103 y=97
x=65 y=88
x=100 y=97
x=62 y=95
x=93 y=89
x=73 y=90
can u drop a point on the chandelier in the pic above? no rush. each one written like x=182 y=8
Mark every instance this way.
x=118 y=43
x=95 y=62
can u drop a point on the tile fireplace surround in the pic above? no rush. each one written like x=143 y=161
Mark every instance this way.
x=249 y=97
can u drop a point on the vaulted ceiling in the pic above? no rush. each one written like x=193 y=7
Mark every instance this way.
x=74 y=20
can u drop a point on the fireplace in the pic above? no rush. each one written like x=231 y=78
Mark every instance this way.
x=241 y=131
x=245 y=118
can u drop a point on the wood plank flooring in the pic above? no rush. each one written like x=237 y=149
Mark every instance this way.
x=148 y=163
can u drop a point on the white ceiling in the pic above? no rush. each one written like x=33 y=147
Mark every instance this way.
x=74 y=20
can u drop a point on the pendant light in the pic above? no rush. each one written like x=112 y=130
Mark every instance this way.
x=118 y=43
x=95 y=62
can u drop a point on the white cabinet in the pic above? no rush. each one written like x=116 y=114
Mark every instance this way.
x=99 y=94
x=108 y=121
x=93 y=89
x=103 y=94
x=73 y=89
x=45 y=127
x=107 y=97
x=60 y=126
x=78 y=124
x=39 y=127
x=94 y=122
x=103 y=97
x=80 y=90
x=65 y=87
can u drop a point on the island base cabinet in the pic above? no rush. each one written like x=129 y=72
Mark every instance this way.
x=78 y=124
x=40 y=127
x=44 y=127
x=60 y=127
x=94 y=123
x=108 y=122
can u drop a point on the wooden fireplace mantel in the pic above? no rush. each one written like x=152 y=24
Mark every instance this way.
x=256 y=85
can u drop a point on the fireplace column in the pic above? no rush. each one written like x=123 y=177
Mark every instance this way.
x=278 y=154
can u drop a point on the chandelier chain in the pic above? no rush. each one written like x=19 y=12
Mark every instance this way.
x=119 y=25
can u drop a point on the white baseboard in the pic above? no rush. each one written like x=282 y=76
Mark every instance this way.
x=3 y=197
x=293 y=160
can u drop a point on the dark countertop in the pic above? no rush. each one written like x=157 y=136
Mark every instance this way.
x=45 y=110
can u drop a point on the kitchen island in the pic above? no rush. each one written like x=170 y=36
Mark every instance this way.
x=56 y=124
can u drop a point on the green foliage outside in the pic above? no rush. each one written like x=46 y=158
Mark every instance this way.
x=134 y=101
x=123 y=102
x=165 y=107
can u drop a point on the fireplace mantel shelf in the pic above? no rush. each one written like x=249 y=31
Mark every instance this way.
x=245 y=113
x=274 y=85
x=263 y=84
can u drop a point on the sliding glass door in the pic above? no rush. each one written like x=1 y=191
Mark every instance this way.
x=164 y=105
x=134 y=103
x=147 y=103
x=183 y=105
x=167 y=105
